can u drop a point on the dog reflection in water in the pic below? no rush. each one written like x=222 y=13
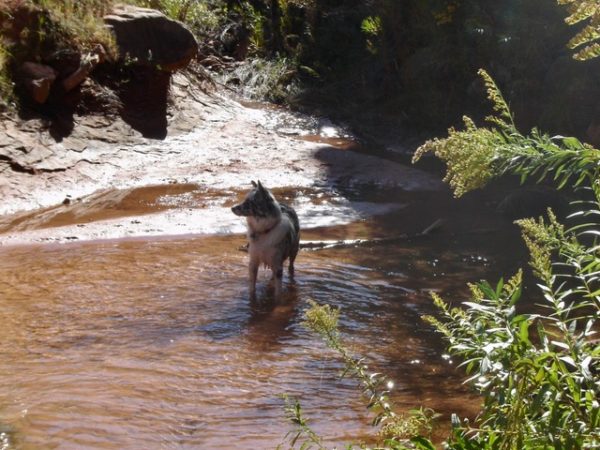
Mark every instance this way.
x=273 y=234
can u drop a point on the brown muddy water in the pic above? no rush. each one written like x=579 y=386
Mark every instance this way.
x=153 y=343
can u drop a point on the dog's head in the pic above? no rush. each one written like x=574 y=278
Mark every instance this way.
x=259 y=202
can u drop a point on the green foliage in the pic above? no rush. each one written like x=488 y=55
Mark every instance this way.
x=476 y=155
x=534 y=371
x=202 y=17
x=76 y=24
x=396 y=430
x=587 y=38
x=538 y=373
x=372 y=27
x=256 y=22
x=6 y=85
x=303 y=433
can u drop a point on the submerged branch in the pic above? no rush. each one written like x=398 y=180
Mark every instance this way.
x=351 y=243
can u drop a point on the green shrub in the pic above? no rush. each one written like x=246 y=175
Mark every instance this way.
x=587 y=38
x=538 y=373
x=76 y=24
x=201 y=16
x=535 y=372
x=6 y=85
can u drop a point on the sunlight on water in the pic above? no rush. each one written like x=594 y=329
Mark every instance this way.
x=145 y=344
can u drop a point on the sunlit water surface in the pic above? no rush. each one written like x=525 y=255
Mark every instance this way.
x=155 y=344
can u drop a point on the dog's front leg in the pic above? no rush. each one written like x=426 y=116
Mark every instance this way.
x=252 y=272
x=277 y=276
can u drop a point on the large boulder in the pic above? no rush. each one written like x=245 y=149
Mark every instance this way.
x=533 y=201
x=37 y=80
x=593 y=133
x=151 y=38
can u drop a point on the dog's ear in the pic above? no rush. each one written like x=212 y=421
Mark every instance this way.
x=260 y=186
x=254 y=183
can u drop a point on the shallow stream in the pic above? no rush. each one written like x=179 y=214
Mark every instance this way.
x=125 y=317
x=153 y=342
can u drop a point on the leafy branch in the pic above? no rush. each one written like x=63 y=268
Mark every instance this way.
x=398 y=431
x=475 y=155
x=537 y=392
x=587 y=38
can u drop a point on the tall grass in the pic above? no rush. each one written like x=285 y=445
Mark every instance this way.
x=203 y=17
x=50 y=26
x=6 y=85
x=77 y=23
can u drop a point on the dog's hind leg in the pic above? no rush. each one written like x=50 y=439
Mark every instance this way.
x=292 y=259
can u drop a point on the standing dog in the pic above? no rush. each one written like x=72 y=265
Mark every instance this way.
x=273 y=234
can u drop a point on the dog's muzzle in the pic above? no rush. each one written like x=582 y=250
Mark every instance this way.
x=237 y=210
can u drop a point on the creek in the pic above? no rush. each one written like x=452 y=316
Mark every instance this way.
x=126 y=321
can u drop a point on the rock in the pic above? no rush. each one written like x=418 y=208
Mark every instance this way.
x=151 y=38
x=593 y=133
x=37 y=80
x=533 y=201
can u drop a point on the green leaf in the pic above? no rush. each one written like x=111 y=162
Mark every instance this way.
x=422 y=443
x=524 y=332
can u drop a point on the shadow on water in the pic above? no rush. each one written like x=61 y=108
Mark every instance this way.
x=270 y=320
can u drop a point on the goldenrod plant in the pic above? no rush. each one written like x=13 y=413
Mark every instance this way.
x=396 y=430
x=539 y=374
x=587 y=40
x=475 y=155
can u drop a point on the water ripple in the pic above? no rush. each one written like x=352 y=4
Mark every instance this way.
x=155 y=344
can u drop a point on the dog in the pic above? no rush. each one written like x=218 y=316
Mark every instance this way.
x=273 y=234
